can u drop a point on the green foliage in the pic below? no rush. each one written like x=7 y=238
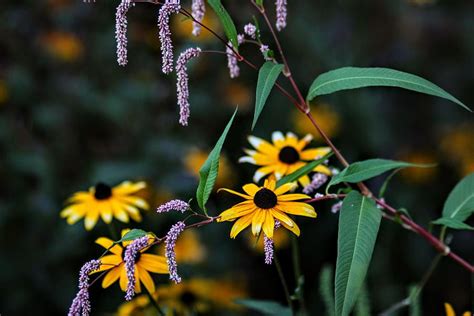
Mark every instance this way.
x=359 y=221
x=303 y=170
x=362 y=307
x=226 y=20
x=460 y=202
x=326 y=289
x=132 y=235
x=210 y=168
x=267 y=76
x=453 y=223
x=415 y=301
x=352 y=77
x=265 y=307
x=385 y=184
x=363 y=170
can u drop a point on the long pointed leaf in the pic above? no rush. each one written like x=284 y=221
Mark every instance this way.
x=226 y=20
x=460 y=203
x=353 y=77
x=359 y=222
x=303 y=170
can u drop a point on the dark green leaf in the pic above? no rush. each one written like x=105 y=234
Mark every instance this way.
x=353 y=77
x=453 y=223
x=362 y=307
x=267 y=76
x=359 y=221
x=303 y=170
x=460 y=202
x=133 y=234
x=226 y=20
x=209 y=170
x=384 y=186
x=363 y=170
x=266 y=307
x=415 y=302
x=326 y=289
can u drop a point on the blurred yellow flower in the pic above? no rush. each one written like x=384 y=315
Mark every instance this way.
x=421 y=3
x=450 y=311
x=3 y=92
x=183 y=27
x=418 y=175
x=327 y=118
x=263 y=205
x=139 y=306
x=281 y=239
x=64 y=46
x=236 y=93
x=284 y=156
x=457 y=144
x=194 y=160
x=189 y=248
x=120 y=202
x=144 y=264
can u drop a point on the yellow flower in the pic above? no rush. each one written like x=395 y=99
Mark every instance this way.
x=327 y=118
x=64 y=46
x=450 y=311
x=263 y=205
x=144 y=264
x=119 y=202
x=188 y=298
x=194 y=160
x=238 y=93
x=284 y=156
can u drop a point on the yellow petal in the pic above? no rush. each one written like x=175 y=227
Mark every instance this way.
x=467 y=314
x=91 y=218
x=135 y=201
x=294 y=229
x=270 y=184
x=282 y=217
x=110 y=261
x=315 y=153
x=240 y=225
x=251 y=189
x=449 y=310
x=280 y=170
x=236 y=193
x=284 y=188
x=262 y=172
x=80 y=197
x=269 y=224
x=111 y=277
x=105 y=209
x=278 y=139
x=293 y=197
x=304 y=141
x=107 y=243
x=304 y=180
x=123 y=278
x=262 y=145
x=153 y=263
x=291 y=140
x=133 y=212
x=237 y=211
x=78 y=209
x=146 y=279
x=127 y=187
x=119 y=212
x=323 y=169
x=257 y=221
x=296 y=208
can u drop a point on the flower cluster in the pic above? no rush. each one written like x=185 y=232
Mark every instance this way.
x=318 y=180
x=81 y=304
x=281 y=13
x=167 y=9
x=129 y=258
x=198 y=9
x=182 y=85
x=121 y=31
x=173 y=205
x=170 y=254
x=268 y=246
x=250 y=30
x=234 y=69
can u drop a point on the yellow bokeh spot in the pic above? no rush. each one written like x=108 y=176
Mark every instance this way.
x=194 y=160
x=3 y=92
x=63 y=46
x=327 y=119
x=281 y=239
x=418 y=175
x=457 y=145
x=189 y=248
x=238 y=94
x=183 y=27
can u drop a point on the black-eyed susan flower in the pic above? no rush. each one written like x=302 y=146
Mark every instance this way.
x=120 y=202
x=450 y=311
x=263 y=205
x=286 y=155
x=115 y=265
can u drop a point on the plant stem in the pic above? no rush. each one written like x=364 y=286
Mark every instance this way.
x=426 y=276
x=296 y=255
x=154 y=303
x=283 y=283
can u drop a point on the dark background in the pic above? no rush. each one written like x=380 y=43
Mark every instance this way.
x=70 y=117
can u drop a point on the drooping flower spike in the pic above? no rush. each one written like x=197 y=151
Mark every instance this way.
x=268 y=246
x=144 y=263
x=132 y=252
x=263 y=205
x=121 y=30
x=173 y=205
x=182 y=85
x=284 y=156
x=198 y=9
x=281 y=13
x=166 y=10
x=102 y=200
x=81 y=305
x=170 y=254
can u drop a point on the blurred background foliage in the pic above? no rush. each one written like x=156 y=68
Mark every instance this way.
x=70 y=117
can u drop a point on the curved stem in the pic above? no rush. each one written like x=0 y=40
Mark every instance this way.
x=283 y=283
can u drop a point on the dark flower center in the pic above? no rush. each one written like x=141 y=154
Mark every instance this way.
x=288 y=155
x=102 y=191
x=188 y=298
x=265 y=198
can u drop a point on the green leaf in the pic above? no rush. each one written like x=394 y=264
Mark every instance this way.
x=266 y=307
x=362 y=307
x=303 y=170
x=226 y=20
x=363 y=170
x=353 y=77
x=267 y=76
x=415 y=302
x=453 y=223
x=384 y=186
x=208 y=171
x=359 y=221
x=132 y=235
x=326 y=289
x=460 y=202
